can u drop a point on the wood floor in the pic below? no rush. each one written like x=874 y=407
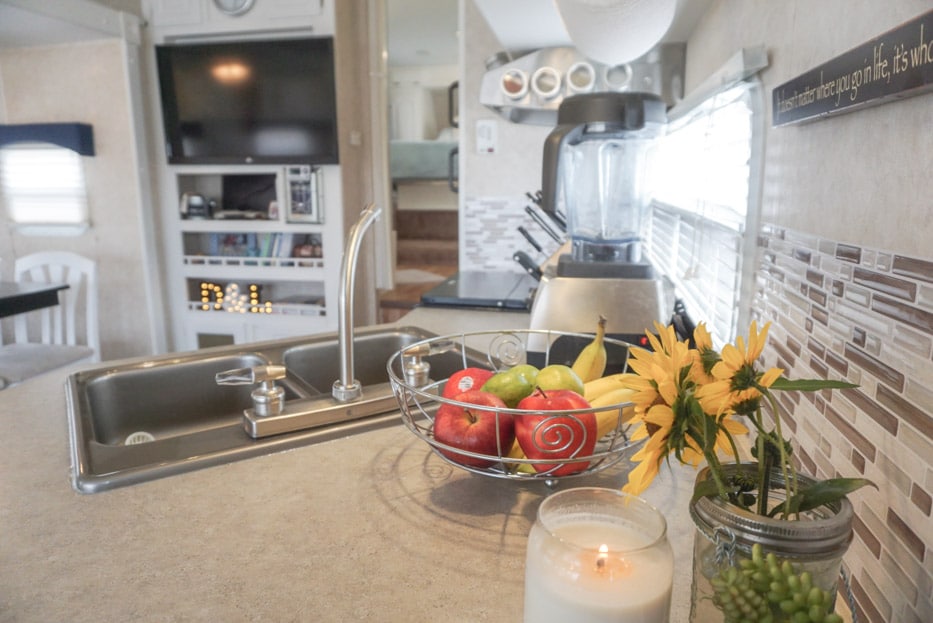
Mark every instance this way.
x=426 y=254
x=395 y=303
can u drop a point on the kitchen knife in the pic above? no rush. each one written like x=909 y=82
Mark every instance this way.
x=530 y=239
x=528 y=264
x=559 y=220
x=543 y=224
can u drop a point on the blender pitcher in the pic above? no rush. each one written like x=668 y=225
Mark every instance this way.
x=594 y=168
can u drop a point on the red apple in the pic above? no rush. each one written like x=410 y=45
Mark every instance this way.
x=559 y=436
x=483 y=429
x=465 y=380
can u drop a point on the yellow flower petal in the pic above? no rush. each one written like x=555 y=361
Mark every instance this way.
x=733 y=357
x=642 y=476
x=769 y=377
x=756 y=341
x=660 y=415
x=702 y=337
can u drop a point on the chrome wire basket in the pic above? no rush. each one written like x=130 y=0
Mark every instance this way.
x=419 y=372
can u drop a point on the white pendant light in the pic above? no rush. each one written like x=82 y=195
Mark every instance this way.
x=616 y=31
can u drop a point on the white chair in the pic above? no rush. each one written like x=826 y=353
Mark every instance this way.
x=50 y=338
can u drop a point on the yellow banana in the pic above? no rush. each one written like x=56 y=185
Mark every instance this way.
x=591 y=362
x=595 y=388
x=607 y=419
x=516 y=452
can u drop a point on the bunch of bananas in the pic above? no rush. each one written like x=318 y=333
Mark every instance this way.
x=598 y=390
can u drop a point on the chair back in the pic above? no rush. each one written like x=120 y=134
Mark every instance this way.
x=59 y=324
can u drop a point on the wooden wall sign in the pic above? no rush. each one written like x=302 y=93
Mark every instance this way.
x=894 y=65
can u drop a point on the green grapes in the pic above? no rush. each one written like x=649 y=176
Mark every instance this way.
x=766 y=589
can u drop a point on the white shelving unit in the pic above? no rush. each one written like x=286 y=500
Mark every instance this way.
x=212 y=265
x=241 y=280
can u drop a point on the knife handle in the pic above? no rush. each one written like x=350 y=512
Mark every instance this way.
x=528 y=264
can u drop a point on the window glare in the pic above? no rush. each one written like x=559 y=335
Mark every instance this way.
x=43 y=185
x=700 y=181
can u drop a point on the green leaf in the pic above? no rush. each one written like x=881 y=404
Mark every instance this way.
x=825 y=492
x=809 y=385
x=705 y=489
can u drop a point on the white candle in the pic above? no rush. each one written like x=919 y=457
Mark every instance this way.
x=568 y=578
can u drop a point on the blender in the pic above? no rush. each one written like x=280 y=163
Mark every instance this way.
x=594 y=173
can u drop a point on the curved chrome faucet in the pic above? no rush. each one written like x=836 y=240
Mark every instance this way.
x=347 y=388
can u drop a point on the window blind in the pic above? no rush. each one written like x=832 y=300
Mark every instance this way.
x=704 y=207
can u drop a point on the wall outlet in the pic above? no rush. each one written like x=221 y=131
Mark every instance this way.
x=487 y=136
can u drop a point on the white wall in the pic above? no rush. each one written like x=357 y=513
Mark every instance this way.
x=87 y=82
x=493 y=186
x=855 y=177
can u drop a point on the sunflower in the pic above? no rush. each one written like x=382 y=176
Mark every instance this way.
x=664 y=414
x=738 y=385
x=708 y=356
x=667 y=409
x=686 y=403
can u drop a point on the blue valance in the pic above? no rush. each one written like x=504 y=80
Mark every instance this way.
x=77 y=137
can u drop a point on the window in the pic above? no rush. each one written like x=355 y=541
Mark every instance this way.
x=43 y=188
x=703 y=219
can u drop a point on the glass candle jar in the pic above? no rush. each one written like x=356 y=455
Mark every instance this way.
x=597 y=556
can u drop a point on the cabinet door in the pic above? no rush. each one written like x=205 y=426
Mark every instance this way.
x=266 y=13
x=176 y=12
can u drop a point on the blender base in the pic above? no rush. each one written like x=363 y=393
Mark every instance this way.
x=630 y=306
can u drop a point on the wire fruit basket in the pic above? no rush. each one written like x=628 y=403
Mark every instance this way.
x=561 y=447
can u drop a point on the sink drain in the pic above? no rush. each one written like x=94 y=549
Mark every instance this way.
x=138 y=437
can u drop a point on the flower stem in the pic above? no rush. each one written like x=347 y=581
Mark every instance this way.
x=787 y=469
x=715 y=468
x=764 y=467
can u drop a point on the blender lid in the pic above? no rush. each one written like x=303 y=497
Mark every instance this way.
x=625 y=110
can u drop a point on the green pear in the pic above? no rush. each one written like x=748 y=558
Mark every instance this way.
x=513 y=384
x=559 y=376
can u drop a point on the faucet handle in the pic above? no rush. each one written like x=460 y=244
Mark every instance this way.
x=268 y=398
x=250 y=376
x=416 y=370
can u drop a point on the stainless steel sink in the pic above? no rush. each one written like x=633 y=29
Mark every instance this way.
x=138 y=420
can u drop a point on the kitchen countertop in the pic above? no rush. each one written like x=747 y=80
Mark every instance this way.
x=373 y=527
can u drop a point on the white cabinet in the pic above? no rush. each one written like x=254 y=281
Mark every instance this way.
x=243 y=269
x=265 y=263
x=202 y=18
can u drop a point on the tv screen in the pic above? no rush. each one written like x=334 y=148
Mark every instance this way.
x=265 y=102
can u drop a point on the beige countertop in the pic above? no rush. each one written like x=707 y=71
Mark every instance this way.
x=373 y=527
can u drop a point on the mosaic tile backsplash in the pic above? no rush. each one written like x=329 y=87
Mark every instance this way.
x=490 y=234
x=866 y=316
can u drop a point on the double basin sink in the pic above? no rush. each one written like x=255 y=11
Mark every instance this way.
x=138 y=420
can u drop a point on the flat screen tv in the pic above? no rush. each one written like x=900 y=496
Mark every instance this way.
x=262 y=102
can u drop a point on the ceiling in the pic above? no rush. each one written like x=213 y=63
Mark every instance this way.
x=421 y=32
x=22 y=28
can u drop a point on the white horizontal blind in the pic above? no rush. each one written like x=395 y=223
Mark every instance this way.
x=43 y=185
x=699 y=216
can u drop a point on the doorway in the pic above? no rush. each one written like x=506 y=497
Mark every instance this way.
x=423 y=68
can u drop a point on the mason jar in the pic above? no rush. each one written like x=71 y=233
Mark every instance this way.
x=725 y=587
